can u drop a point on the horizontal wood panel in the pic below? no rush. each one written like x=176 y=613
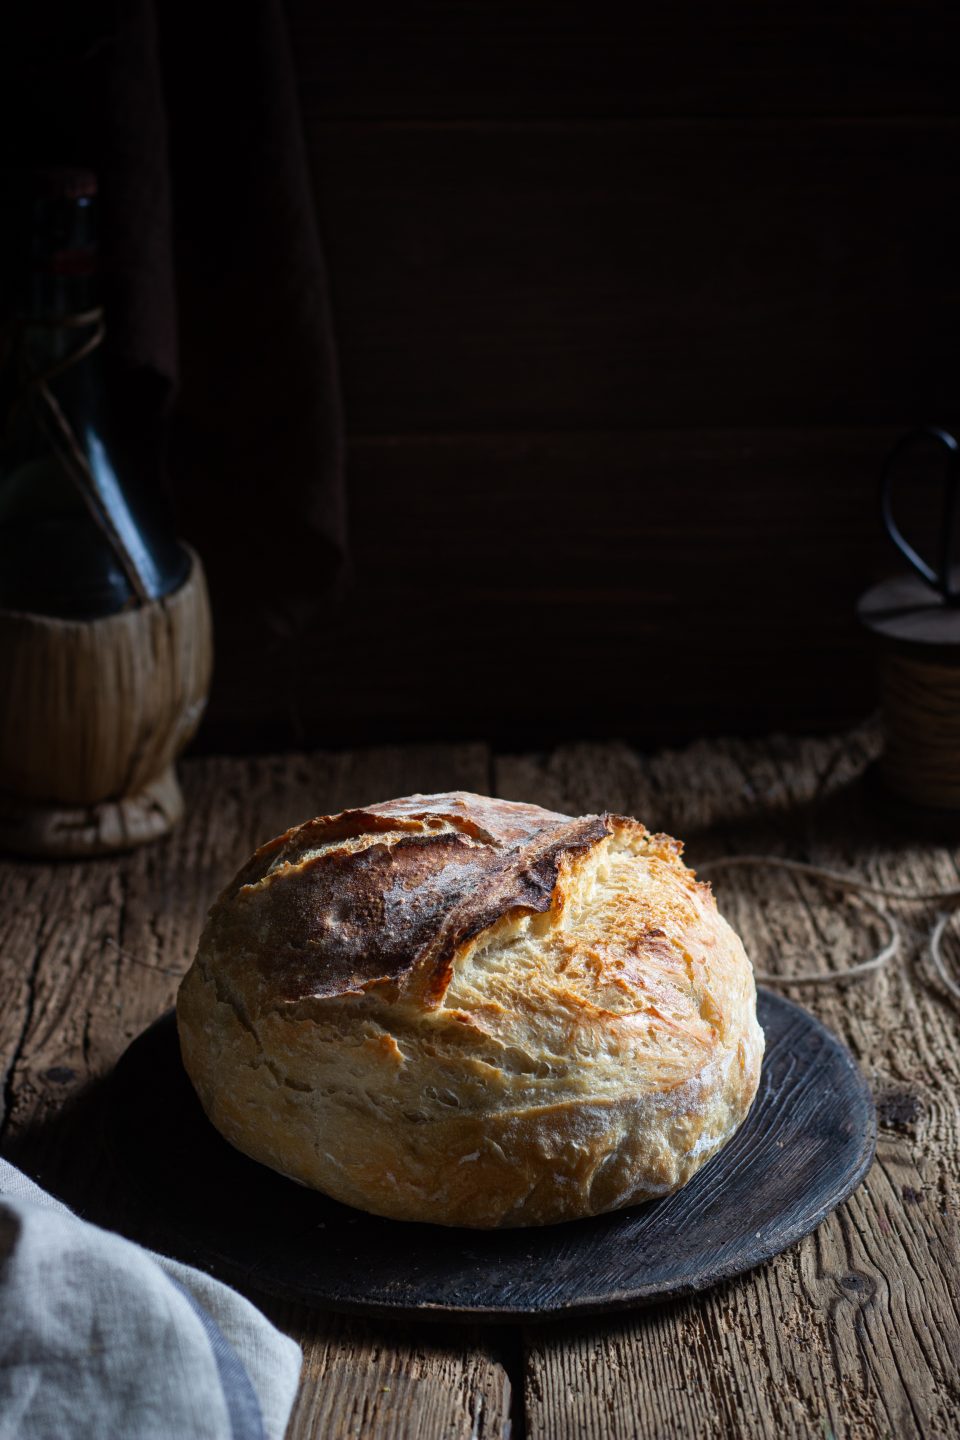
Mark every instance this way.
x=649 y=584
x=554 y=276
x=447 y=58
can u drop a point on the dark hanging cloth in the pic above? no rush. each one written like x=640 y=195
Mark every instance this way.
x=219 y=328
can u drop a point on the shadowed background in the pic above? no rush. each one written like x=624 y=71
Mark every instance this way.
x=628 y=312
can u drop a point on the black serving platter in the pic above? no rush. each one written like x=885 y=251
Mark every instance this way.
x=807 y=1143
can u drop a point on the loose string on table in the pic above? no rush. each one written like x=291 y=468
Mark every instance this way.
x=147 y=965
x=863 y=888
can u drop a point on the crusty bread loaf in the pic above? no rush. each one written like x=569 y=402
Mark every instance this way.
x=472 y=1012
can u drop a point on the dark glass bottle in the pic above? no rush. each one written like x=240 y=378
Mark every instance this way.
x=81 y=533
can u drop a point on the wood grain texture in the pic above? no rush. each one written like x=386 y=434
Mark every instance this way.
x=855 y=1332
x=363 y=1381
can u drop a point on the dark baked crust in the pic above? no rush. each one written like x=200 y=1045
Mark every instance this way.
x=395 y=909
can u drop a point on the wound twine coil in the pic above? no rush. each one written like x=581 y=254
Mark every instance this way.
x=863 y=888
x=921 y=720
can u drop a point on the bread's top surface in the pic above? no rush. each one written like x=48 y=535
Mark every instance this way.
x=502 y=915
x=345 y=901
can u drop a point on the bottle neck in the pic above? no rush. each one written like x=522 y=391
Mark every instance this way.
x=80 y=533
x=60 y=276
x=60 y=312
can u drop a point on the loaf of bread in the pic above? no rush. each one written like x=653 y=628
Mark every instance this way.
x=466 y=1011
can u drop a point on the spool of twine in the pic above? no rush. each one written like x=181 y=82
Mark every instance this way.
x=915 y=634
x=920 y=703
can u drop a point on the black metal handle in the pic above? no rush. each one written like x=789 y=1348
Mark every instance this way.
x=939 y=579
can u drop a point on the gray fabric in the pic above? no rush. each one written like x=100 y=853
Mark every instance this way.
x=101 y=1337
x=243 y=1407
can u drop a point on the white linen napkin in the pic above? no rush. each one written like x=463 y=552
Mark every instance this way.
x=99 y=1337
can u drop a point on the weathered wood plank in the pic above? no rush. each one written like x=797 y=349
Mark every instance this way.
x=855 y=1332
x=365 y=1381
x=90 y=954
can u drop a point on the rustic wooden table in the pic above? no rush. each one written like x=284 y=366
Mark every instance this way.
x=852 y=1333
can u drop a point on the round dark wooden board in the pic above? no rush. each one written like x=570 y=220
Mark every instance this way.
x=806 y=1144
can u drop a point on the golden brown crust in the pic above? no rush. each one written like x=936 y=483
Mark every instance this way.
x=431 y=874
x=464 y=1010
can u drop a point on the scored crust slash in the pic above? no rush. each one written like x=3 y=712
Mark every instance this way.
x=467 y=1011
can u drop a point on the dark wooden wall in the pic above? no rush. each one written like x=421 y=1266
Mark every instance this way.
x=631 y=302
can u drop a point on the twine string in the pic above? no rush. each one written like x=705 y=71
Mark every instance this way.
x=936 y=954
x=135 y=960
x=856 y=885
x=834 y=877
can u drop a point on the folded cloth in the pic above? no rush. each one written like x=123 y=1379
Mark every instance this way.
x=99 y=1337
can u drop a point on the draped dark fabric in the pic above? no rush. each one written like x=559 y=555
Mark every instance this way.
x=220 y=339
